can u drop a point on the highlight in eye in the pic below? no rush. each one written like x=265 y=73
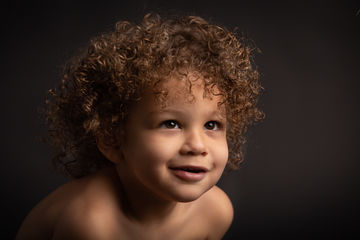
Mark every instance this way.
x=170 y=124
x=212 y=125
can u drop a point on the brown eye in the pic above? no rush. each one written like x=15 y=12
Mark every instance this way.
x=211 y=125
x=170 y=124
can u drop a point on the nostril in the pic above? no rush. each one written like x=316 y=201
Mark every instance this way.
x=194 y=153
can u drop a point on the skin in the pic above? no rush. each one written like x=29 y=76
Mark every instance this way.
x=141 y=196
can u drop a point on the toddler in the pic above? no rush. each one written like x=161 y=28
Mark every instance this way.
x=145 y=122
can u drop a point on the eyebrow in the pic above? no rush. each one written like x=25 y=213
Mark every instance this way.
x=166 y=110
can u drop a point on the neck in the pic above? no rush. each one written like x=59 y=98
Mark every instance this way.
x=141 y=204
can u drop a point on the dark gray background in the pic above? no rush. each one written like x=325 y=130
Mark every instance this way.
x=300 y=178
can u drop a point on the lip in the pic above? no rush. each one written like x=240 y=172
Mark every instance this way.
x=189 y=173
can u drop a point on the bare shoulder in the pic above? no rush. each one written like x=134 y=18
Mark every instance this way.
x=85 y=220
x=219 y=200
x=39 y=223
x=218 y=211
x=78 y=209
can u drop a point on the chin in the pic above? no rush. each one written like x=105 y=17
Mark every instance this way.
x=188 y=195
x=185 y=199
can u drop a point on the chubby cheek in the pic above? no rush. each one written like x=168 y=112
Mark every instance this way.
x=220 y=156
x=150 y=151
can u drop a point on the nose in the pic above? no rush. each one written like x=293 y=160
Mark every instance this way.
x=194 y=143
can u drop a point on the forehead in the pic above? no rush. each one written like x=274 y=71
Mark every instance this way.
x=188 y=92
x=185 y=89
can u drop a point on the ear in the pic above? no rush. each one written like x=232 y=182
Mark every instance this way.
x=110 y=150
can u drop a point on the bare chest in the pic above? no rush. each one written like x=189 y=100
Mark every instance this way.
x=189 y=230
x=162 y=235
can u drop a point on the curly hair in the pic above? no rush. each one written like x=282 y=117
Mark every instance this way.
x=99 y=86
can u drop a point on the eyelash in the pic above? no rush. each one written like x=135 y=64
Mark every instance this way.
x=166 y=123
x=217 y=125
x=173 y=124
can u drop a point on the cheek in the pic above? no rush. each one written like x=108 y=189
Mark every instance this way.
x=221 y=155
x=151 y=150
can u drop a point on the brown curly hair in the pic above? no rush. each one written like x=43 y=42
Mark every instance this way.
x=99 y=86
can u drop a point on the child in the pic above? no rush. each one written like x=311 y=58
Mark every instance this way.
x=145 y=121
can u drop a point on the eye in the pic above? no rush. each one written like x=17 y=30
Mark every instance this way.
x=170 y=124
x=212 y=125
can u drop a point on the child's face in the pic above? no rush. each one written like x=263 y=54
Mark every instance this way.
x=178 y=151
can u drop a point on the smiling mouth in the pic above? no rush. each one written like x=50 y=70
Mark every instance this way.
x=189 y=173
x=190 y=169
